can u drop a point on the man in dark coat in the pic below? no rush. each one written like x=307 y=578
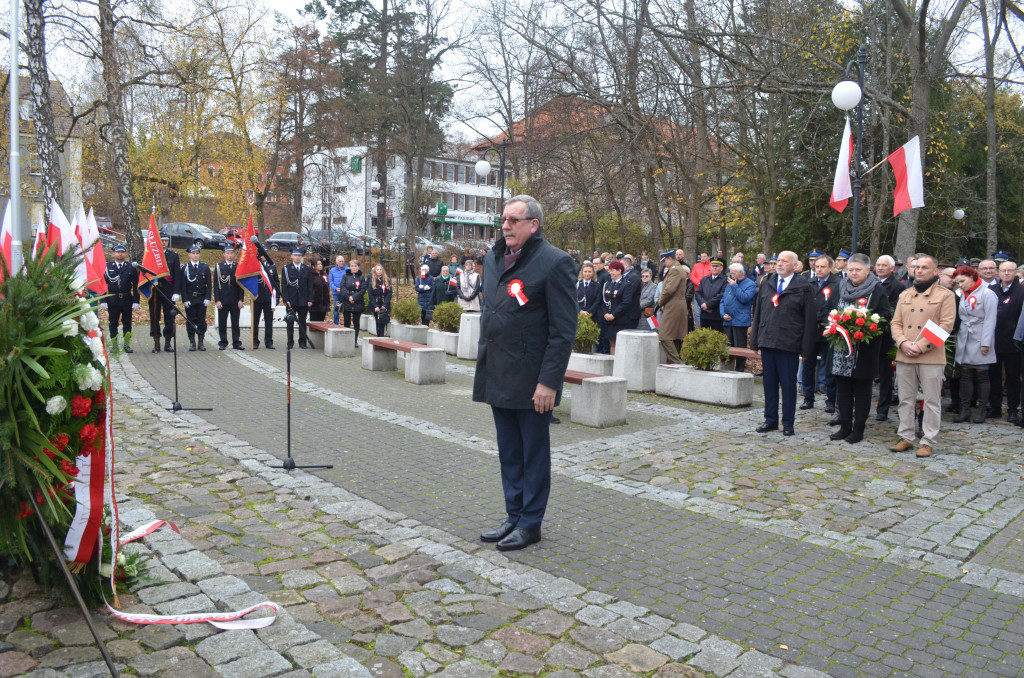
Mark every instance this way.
x=228 y=295
x=297 y=290
x=163 y=298
x=123 y=287
x=784 y=320
x=709 y=295
x=527 y=332
x=194 y=288
x=1008 y=312
x=266 y=299
x=885 y=269
x=825 y=285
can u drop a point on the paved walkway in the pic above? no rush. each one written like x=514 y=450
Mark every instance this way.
x=841 y=558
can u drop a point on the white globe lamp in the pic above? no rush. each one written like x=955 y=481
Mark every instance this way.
x=958 y=214
x=483 y=168
x=846 y=95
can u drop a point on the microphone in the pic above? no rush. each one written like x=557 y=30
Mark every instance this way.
x=260 y=249
x=140 y=267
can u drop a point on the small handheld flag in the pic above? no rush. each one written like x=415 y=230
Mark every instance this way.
x=934 y=333
x=652 y=322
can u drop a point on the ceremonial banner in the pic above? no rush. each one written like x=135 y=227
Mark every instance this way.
x=153 y=259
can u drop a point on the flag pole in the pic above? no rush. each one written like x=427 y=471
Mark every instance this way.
x=876 y=166
x=17 y=246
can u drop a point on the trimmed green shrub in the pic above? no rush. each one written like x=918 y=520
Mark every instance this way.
x=406 y=311
x=447 y=316
x=587 y=333
x=705 y=349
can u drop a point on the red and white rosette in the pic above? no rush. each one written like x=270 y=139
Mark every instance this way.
x=862 y=303
x=775 y=299
x=971 y=301
x=827 y=291
x=515 y=290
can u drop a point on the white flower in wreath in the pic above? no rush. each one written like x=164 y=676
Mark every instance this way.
x=89 y=321
x=70 y=327
x=88 y=377
x=95 y=345
x=56 y=405
x=76 y=285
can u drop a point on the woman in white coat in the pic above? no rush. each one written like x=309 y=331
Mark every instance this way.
x=975 y=341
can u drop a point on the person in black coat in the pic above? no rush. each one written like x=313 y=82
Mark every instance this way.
x=588 y=292
x=446 y=288
x=885 y=270
x=527 y=331
x=228 y=296
x=297 y=290
x=855 y=373
x=322 y=298
x=353 y=296
x=621 y=298
x=1011 y=299
x=123 y=288
x=266 y=300
x=784 y=320
x=826 y=285
x=194 y=287
x=708 y=296
x=380 y=298
x=162 y=300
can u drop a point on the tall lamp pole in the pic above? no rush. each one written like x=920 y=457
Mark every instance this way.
x=846 y=95
x=483 y=169
x=17 y=249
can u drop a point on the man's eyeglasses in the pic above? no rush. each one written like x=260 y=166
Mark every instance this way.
x=513 y=220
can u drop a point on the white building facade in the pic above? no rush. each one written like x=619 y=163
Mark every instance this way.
x=337 y=194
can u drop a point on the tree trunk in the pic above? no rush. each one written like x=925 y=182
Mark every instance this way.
x=42 y=108
x=117 y=134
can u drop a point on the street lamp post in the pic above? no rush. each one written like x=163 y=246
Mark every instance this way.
x=483 y=169
x=381 y=196
x=846 y=95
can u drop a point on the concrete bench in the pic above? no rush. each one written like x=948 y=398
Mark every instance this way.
x=423 y=364
x=597 y=400
x=337 y=342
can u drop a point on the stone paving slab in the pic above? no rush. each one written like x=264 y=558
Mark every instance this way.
x=816 y=602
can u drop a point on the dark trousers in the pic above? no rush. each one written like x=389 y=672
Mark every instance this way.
x=717 y=325
x=159 y=305
x=780 y=368
x=229 y=311
x=1008 y=363
x=885 y=378
x=823 y=354
x=853 y=402
x=196 y=316
x=524 y=450
x=120 y=313
x=352 y=320
x=266 y=311
x=382 y=328
x=604 y=346
x=336 y=308
x=738 y=339
x=301 y=312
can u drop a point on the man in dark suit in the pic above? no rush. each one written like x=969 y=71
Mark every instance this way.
x=162 y=300
x=123 y=287
x=885 y=269
x=825 y=284
x=784 y=320
x=264 y=306
x=194 y=288
x=297 y=290
x=1008 y=312
x=228 y=295
x=526 y=336
x=709 y=295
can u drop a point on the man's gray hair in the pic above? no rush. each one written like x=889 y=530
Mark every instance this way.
x=921 y=255
x=830 y=260
x=533 y=208
x=736 y=267
x=860 y=258
x=889 y=260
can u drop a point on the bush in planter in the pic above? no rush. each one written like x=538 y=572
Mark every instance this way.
x=587 y=333
x=447 y=316
x=405 y=311
x=704 y=349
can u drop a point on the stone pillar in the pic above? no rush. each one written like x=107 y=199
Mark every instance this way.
x=636 y=358
x=469 y=336
x=339 y=342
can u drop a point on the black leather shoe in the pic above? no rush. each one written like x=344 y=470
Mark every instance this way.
x=555 y=420
x=128 y=349
x=498 y=533
x=519 y=539
x=854 y=438
x=221 y=347
x=302 y=345
x=840 y=434
x=830 y=408
x=270 y=346
x=882 y=416
x=167 y=346
x=759 y=373
x=290 y=345
x=788 y=431
x=834 y=421
x=202 y=347
x=255 y=345
x=238 y=347
x=191 y=345
x=1012 y=417
x=807 y=404
x=765 y=428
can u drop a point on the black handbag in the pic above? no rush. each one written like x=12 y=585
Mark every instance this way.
x=383 y=316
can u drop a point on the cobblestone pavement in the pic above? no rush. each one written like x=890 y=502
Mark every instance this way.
x=841 y=558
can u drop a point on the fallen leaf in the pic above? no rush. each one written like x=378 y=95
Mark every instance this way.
x=783 y=647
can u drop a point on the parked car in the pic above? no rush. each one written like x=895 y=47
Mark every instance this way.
x=234 y=234
x=287 y=240
x=188 y=234
x=104 y=226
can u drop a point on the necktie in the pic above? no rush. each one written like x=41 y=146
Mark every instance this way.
x=781 y=282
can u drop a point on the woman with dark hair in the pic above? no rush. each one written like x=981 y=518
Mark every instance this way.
x=621 y=300
x=321 y=293
x=380 y=298
x=975 y=341
x=353 y=289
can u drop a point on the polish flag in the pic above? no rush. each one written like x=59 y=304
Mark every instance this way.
x=841 y=190
x=60 y=233
x=934 y=333
x=95 y=261
x=6 y=241
x=82 y=272
x=39 y=246
x=906 y=165
x=652 y=322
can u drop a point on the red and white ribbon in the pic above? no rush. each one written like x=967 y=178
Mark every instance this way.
x=146 y=530
x=827 y=291
x=835 y=328
x=862 y=303
x=515 y=289
x=972 y=300
x=222 y=620
x=775 y=299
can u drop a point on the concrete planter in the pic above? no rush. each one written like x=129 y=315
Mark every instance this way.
x=594 y=363
x=636 y=356
x=469 y=336
x=417 y=334
x=730 y=389
x=449 y=341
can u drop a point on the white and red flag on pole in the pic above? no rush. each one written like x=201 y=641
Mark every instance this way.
x=934 y=333
x=841 y=190
x=906 y=165
x=60 y=232
x=95 y=261
x=6 y=240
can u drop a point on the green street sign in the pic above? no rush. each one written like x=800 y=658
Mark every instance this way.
x=442 y=208
x=355 y=164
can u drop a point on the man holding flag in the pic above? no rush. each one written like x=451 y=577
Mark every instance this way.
x=163 y=301
x=257 y=274
x=923 y=320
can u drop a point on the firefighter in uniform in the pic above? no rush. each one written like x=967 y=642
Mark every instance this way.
x=164 y=301
x=123 y=288
x=263 y=305
x=297 y=290
x=194 y=288
x=228 y=295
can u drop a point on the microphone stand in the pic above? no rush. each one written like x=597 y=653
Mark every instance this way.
x=175 y=311
x=289 y=463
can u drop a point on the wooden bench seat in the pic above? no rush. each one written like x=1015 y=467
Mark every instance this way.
x=744 y=353
x=395 y=344
x=423 y=364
